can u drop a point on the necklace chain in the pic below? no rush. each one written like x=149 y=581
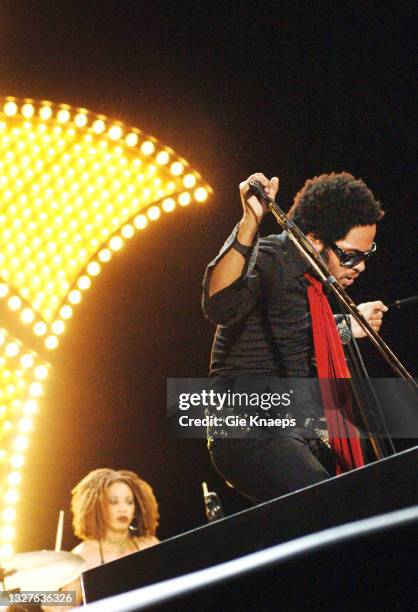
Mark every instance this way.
x=121 y=548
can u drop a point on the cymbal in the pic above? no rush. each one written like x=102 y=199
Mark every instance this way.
x=42 y=570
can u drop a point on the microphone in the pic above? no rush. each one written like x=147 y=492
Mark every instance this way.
x=405 y=302
x=213 y=507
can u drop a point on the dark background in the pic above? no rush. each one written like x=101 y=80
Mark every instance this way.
x=291 y=89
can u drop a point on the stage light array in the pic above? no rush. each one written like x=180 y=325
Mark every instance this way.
x=74 y=187
x=22 y=378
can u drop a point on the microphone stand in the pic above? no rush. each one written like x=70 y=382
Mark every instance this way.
x=366 y=395
x=315 y=260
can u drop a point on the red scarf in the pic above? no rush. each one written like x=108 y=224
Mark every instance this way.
x=330 y=361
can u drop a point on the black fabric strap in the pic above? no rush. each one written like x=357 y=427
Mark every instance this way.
x=241 y=248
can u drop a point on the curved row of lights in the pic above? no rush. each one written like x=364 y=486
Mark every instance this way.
x=22 y=379
x=99 y=124
x=74 y=186
x=29 y=316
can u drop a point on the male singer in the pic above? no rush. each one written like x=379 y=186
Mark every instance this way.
x=259 y=292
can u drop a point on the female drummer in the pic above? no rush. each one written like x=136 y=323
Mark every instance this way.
x=115 y=513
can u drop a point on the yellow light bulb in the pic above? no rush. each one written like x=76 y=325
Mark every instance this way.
x=74 y=297
x=58 y=327
x=35 y=389
x=40 y=328
x=51 y=342
x=66 y=312
x=41 y=372
x=14 y=302
x=115 y=132
x=93 y=268
x=201 y=194
x=168 y=204
x=83 y=282
x=8 y=533
x=14 y=478
x=162 y=158
x=6 y=551
x=153 y=213
x=99 y=126
x=17 y=461
x=131 y=139
x=20 y=443
x=189 y=180
x=80 y=120
x=105 y=255
x=127 y=231
x=147 y=147
x=12 y=349
x=7 y=426
x=27 y=315
x=9 y=514
x=176 y=168
x=27 y=360
x=184 y=198
x=63 y=115
x=28 y=110
x=140 y=221
x=30 y=407
x=116 y=243
x=11 y=497
x=10 y=109
x=45 y=112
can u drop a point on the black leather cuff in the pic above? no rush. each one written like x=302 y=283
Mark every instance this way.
x=243 y=249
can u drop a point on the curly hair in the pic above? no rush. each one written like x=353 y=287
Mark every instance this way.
x=329 y=205
x=89 y=500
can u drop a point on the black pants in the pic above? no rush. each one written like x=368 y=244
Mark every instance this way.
x=265 y=469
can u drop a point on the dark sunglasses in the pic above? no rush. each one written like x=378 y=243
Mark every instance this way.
x=350 y=260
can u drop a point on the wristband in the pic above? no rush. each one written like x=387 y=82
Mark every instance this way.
x=243 y=249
